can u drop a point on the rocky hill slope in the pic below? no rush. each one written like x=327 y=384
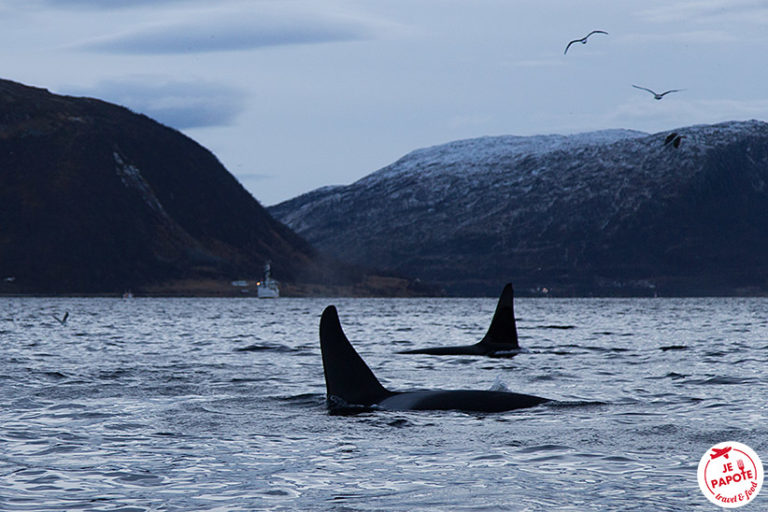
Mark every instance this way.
x=97 y=199
x=610 y=213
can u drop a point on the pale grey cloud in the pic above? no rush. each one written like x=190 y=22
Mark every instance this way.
x=537 y=63
x=683 y=37
x=105 y=4
x=179 y=104
x=658 y=116
x=230 y=31
x=705 y=11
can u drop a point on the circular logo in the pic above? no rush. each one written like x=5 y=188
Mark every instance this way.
x=730 y=474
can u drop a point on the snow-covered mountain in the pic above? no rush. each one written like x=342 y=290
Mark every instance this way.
x=608 y=212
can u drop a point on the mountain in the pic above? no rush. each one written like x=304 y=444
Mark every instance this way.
x=97 y=199
x=613 y=212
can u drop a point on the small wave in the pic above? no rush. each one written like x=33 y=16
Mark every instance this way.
x=113 y=375
x=548 y=377
x=675 y=376
x=143 y=479
x=557 y=352
x=304 y=400
x=337 y=406
x=567 y=404
x=563 y=327
x=569 y=350
x=499 y=385
x=673 y=347
x=493 y=456
x=749 y=360
x=344 y=497
x=608 y=349
x=264 y=348
x=388 y=421
x=302 y=397
x=67 y=407
x=54 y=375
x=617 y=458
x=280 y=493
x=125 y=426
x=239 y=380
x=505 y=354
x=544 y=448
x=88 y=415
x=723 y=380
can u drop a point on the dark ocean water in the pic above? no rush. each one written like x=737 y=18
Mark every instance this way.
x=218 y=405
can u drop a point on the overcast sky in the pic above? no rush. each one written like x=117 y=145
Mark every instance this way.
x=292 y=95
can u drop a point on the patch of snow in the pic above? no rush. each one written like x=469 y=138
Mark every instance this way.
x=132 y=178
x=483 y=152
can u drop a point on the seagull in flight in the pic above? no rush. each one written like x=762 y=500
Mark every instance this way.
x=674 y=139
x=656 y=95
x=583 y=40
x=63 y=319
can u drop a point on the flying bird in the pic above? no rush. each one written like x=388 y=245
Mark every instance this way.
x=583 y=40
x=656 y=95
x=63 y=319
x=673 y=138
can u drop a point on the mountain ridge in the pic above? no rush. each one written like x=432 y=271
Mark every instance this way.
x=622 y=215
x=96 y=199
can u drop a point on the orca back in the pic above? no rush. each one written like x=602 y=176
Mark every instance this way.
x=468 y=350
x=462 y=400
x=347 y=377
x=503 y=328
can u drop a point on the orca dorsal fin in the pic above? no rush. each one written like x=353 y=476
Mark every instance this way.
x=503 y=329
x=346 y=375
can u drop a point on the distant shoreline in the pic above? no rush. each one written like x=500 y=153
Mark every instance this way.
x=338 y=294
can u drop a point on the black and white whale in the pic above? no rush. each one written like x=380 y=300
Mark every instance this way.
x=501 y=338
x=352 y=387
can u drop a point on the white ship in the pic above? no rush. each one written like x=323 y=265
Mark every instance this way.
x=267 y=288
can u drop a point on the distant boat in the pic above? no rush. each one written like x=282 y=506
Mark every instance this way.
x=267 y=287
x=127 y=294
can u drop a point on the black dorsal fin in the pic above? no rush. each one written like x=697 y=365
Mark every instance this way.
x=346 y=375
x=503 y=329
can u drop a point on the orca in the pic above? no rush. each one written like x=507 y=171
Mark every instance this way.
x=352 y=387
x=501 y=338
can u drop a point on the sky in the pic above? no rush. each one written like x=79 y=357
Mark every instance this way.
x=292 y=95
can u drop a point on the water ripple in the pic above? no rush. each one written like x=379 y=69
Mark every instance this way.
x=219 y=405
